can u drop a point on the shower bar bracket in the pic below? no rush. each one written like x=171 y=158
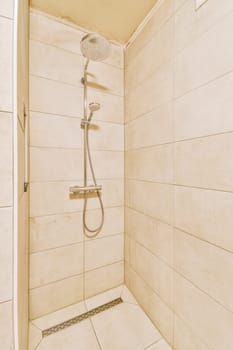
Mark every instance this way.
x=85 y=189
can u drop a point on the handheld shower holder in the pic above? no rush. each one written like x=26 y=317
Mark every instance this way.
x=84 y=122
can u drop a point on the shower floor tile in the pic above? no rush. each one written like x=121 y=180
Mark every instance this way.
x=79 y=336
x=123 y=327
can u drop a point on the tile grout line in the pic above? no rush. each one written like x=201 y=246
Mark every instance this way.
x=76 y=275
x=188 y=326
x=190 y=139
x=68 y=116
x=75 y=149
x=94 y=331
x=76 y=179
x=177 y=228
x=77 y=86
x=33 y=39
x=75 y=243
x=69 y=213
x=173 y=184
x=171 y=307
x=156 y=342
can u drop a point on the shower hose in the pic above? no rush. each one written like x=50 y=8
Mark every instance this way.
x=89 y=232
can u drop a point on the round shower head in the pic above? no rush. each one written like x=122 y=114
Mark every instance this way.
x=94 y=106
x=95 y=47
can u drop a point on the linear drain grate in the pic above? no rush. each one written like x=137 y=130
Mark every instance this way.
x=81 y=317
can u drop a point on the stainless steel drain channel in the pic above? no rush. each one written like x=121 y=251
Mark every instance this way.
x=81 y=317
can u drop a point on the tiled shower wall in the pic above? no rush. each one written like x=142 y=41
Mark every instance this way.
x=179 y=146
x=65 y=268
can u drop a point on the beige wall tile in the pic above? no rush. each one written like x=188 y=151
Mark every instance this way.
x=152 y=234
x=209 y=320
x=57 y=161
x=185 y=339
x=160 y=16
x=53 y=32
x=113 y=221
x=191 y=24
x=127 y=241
x=202 y=100
x=112 y=106
x=109 y=77
x=96 y=281
x=150 y=129
x=50 y=164
x=53 y=66
x=214 y=43
x=153 y=54
x=57 y=230
x=104 y=251
x=65 y=36
x=6 y=257
x=107 y=136
x=207 y=266
x=205 y=111
x=211 y=13
x=155 y=273
x=204 y=162
x=49 y=198
x=54 y=131
x=55 y=264
x=186 y=25
x=52 y=231
x=6 y=32
x=156 y=309
x=150 y=198
x=178 y=3
x=150 y=164
x=6 y=160
x=48 y=96
x=156 y=90
x=138 y=287
x=106 y=77
x=6 y=336
x=205 y=214
x=103 y=298
x=54 y=296
x=51 y=131
x=6 y=8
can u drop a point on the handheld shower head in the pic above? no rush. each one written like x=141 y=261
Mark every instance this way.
x=94 y=106
x=95 y=47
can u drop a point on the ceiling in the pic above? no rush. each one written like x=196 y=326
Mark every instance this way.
x=115 y=19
